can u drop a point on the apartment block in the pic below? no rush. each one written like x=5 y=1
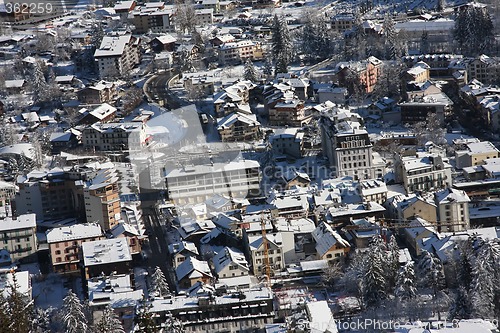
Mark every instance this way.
x=422 y=172
x=476 y=153
x=195 y=184
x=115 y=136
x=18 y=236
x=349 y=150
x=117 y=55
x=199 y=312
x=65 y=242
x=102 y=201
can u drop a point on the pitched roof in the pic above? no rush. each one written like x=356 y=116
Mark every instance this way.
x=192 y=268
x=229 y=256
x=326 y=238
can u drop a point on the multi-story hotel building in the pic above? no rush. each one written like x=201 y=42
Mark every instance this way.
x=192 y=184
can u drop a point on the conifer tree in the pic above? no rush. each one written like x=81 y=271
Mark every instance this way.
x=431 y=272
x=281 y=44
x=73 y=314
x=109 y=322
x=144 y=319
x=374 y=283
x=159 y=285
x=485 y=291
x=474 y=31
x=250 y=71
x=461 y=307
x=406 y=283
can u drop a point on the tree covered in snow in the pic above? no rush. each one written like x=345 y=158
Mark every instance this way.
x=406 y=287
x=73 y=314
x=474 y=31
x=159 y=285
x=144 y=320
x=374 y=283
x=109 y=322
x=429 y=130
x=352 y=279
x=16 y=310
x=314 y=39
x=185 y=17
x=392 y=262
x=441 y=5
x=485 y=291
x=461 y=307
x=431 y=272
x=332 y=274
x=465 y=264
x=281 y=44
x=43 y=320
x=37 y=82
x=172 y=324
x=268 y=68
x=250 y=73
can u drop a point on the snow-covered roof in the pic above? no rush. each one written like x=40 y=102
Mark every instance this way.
x=216 y=167
x=229 y=256
x=451 y=195
x=76 y=231
x=106 y=251
x=166 y=39
x=326 y=238
x=231 y=119
x=192 y=268
x=184 y=303
x=23 y=283
x=14 y=83
x=25 y=149
x=183 y=247
x=482 y=147
x=21 y=222
x=102 y=111
x=112 y=46
x=320 y=317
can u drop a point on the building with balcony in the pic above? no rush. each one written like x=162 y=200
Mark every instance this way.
x=330 y=245
x=154 y=17
x=275 y=253
x=289 y=111
x=289 y=141
x=115 y=136
x=102 y=201
x=238 y=127
x=240 y=51
x=200 y=312
x=422 y=172
x=117 y=55
x=363 y=74
x=453 y=210
x=50 y=195
x=18 y=236
x=349 y=150
x=196 y=184
x=65 y=242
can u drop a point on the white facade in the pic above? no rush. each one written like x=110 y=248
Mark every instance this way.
x=423 y=172
x=349 y=150
x=18 y=236
x=197 y=184
x=115 y=136
x=453 y=210
x=117 y=55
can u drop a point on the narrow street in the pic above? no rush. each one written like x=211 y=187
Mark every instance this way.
x=159 y=255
